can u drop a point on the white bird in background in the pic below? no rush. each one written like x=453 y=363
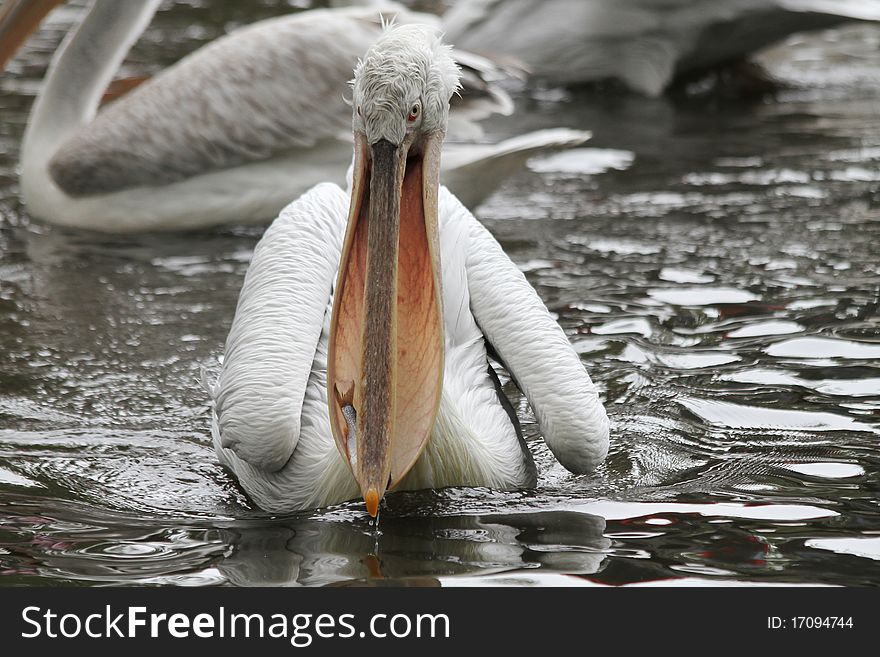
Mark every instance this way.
x=229 y=134
x=398 y=346
x=644 y=43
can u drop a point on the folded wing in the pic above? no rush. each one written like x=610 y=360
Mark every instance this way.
x=535 y=351
x=258 y=396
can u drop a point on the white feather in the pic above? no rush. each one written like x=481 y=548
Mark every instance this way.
x=277 y=327
x=535 y=350
x=473 y=442
x=645 y=43
x=230 y=134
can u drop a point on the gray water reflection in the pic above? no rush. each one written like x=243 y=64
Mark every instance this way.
x=712 y=260
x=340 y=547
x=317 y=552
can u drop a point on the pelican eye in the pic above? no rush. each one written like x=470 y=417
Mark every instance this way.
x=414 y=112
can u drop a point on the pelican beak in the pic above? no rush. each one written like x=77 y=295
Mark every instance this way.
x=385 y=366
x=18 y=20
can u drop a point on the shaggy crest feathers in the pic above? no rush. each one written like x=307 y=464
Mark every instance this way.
x=409 y=64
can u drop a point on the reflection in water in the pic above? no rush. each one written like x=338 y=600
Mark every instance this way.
x=421 y=549
x=713 y=262
x=317 y=550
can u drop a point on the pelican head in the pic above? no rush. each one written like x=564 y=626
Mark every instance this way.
x=403 y=85
x=385 y=365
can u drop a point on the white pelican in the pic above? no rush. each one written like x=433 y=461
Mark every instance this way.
x=229 y=134
x=644 y=43
x=398 y=347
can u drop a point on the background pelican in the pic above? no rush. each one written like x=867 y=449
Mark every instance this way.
x=402 y=358
x=230 y=133
x=644 y=43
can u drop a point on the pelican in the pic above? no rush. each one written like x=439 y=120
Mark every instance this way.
x=381 y=380
x=643 y=43
x=229 y=134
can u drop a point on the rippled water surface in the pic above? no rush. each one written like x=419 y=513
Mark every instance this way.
x=714 y=261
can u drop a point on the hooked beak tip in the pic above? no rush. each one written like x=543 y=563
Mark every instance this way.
x=371 y=497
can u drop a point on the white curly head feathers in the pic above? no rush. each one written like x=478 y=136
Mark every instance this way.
x=404 y=82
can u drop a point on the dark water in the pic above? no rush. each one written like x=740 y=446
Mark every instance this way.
x=715 y=263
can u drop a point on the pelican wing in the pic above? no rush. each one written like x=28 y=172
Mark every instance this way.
x=474 y=171
x=722 y=32
x=480 y=95
x=645 y=43
x=572 y=41
x=863 y=10
x=264 y=90
x=534 y=349
x=281 y=312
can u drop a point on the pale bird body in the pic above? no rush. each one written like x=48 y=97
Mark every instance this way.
x=230 y=133
x=644 y=43
x=297 y=334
